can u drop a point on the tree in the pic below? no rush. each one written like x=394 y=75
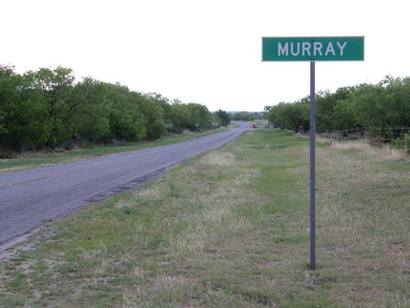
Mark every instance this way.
x=224 y=117
x=200 y=117
x=88 y=114
x=125 y=117
x=23 y=112
x=153 y=117
x=180 y=116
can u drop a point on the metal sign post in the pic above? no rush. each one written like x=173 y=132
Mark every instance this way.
x=346 y=48
x=312 y=200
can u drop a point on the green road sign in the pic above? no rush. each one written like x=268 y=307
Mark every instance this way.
x=343 y=48
x=346 y=48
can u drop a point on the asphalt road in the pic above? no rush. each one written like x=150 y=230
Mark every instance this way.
x=28 y=198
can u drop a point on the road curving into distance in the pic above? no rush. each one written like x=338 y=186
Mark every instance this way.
x=28 y=198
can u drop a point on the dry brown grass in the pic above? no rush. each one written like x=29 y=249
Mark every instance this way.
x=383 y=151
x=363 y=213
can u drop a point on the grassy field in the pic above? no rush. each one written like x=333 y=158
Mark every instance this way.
x=229 y=229
x=42 y=158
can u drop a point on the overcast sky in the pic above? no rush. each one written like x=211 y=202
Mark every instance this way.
x=206 y=51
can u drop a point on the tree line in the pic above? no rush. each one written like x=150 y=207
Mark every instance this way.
x=380 y=110
x=246 y=116
x=47 y=108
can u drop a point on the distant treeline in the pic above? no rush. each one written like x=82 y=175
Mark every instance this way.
x=380 y=110
x=47 y=108
x=247 y=115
